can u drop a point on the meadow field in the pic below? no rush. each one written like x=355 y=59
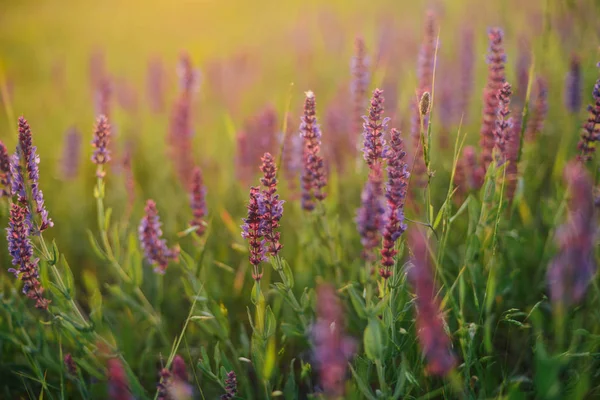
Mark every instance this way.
x=299 y=199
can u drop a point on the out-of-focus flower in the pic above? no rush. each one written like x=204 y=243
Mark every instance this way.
x=258 y=136
x=574 y=266
x=573 y=86
x=332 y=349
x=69 y=164
x=419 y=120
x=70 y=365
x=21 y=251
x=435 y=343
x=359 y=87
x=118 y=386
x=156 y=84
x=370 y=215
x=496 y=61
x=313 y=177
x=174 y=384
x=535 y=125
x=5 y=176
x=155 y=247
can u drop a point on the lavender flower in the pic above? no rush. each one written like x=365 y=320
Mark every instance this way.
x=370 y=215
x=359 y=68
x=270 y=207
x=313 y=174
x=27 y=159
x=535 y=125
x=198 y=201
x=155 y=248
x=574 y=266
x=496 y=61
x=395 y=192
x=5 y=175
x=230 y=386
x=21 y=251
x=503 y=122
x=252 y=229
x=573 y=86
x=435 y=343
x=332 y=349
x=589 y=134
x=101 y=141
x=71 y=153
x=373 y=131
x=118 y=386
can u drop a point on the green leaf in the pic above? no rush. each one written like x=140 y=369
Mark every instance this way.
x=270 y=323
x=290 y=389
x=69 y=279
x=375 y=339
x=289 y=276
x=107 y=216
x=362 y=385
x=357 y=302
x=95 y=246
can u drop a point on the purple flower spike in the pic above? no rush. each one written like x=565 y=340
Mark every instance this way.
x=26 y=160
x=373 y=131
x=589 y=134
x=101 y=141
x=396 y=190
x=21 y=251
x=271 y=208
x=155 y=248
x=198 y=201
x=252 y=229
x=230 y=386
x=574 y=266
x=313 y=177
